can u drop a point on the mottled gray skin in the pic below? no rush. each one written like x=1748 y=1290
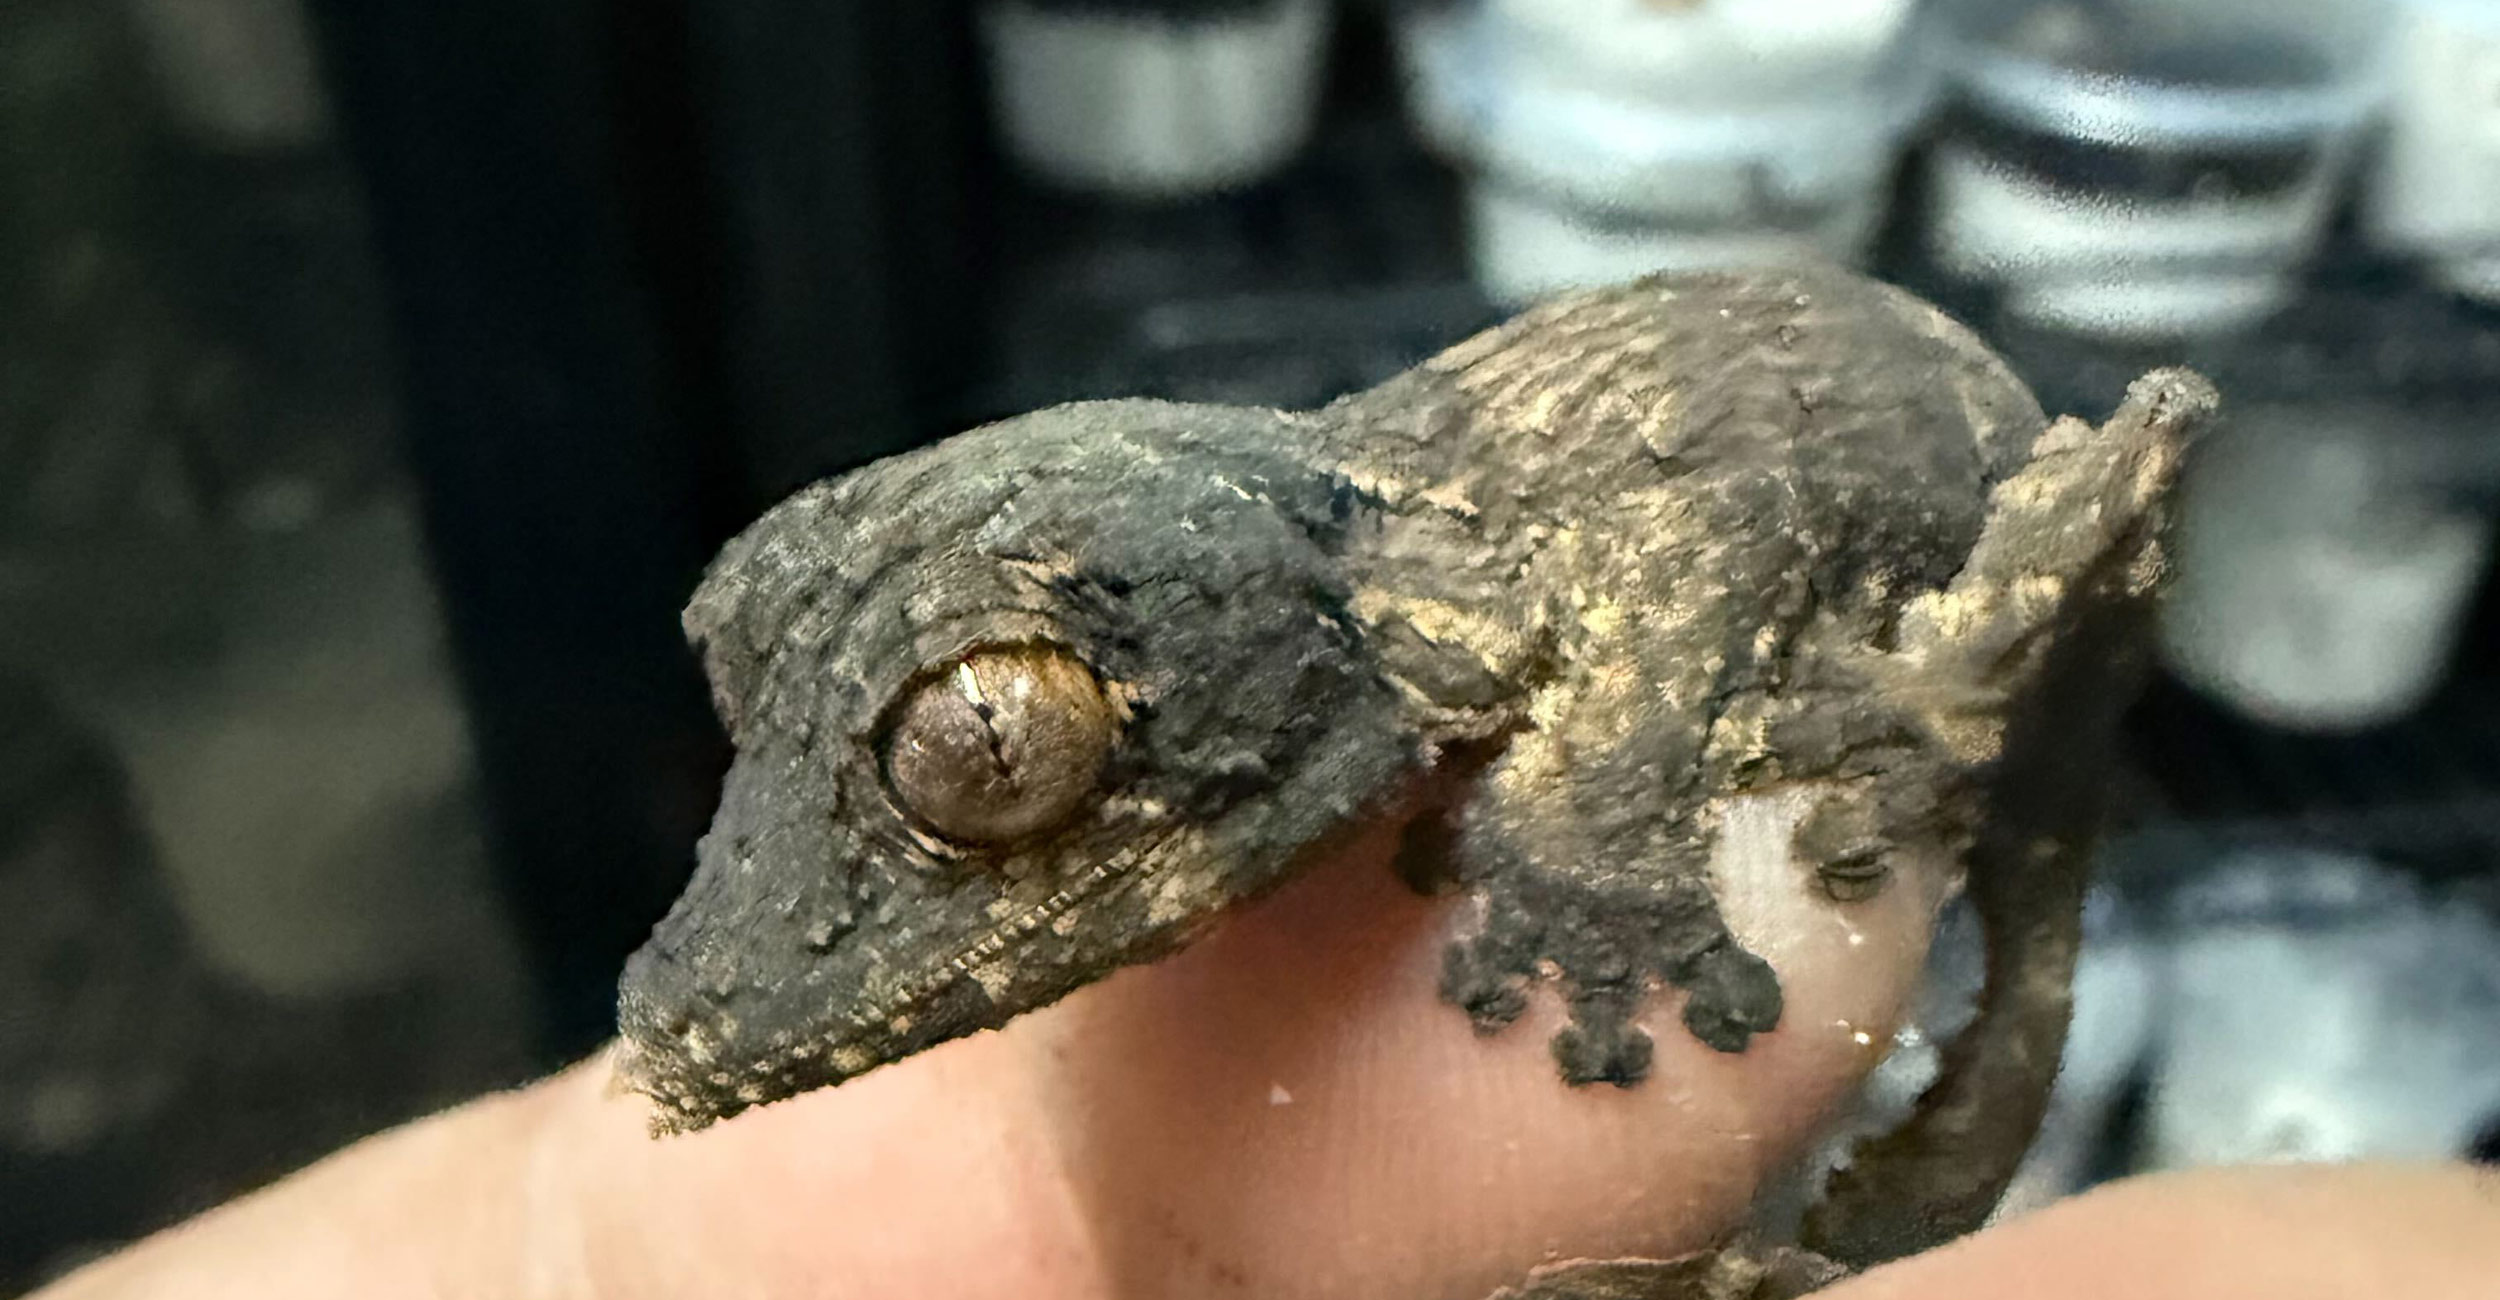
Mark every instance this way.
x=1551 y=595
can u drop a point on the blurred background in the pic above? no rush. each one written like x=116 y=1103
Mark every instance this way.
x=376 y=378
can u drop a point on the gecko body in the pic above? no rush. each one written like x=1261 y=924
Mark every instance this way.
x=1041 y=701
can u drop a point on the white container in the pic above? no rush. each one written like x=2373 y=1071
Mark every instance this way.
x=1429 y=40
x=240 y=75
x=2145 y=168
x=2435 y=191
x=1148 y=105
x=2341 y=1016
x=2322 y=574
x=1613 y=137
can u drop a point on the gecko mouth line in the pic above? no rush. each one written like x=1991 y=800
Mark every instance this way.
x=1004 y=938
x=674 y=1049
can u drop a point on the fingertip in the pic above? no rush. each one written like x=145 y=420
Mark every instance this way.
x=2331 y=1232
x=1291 y=1107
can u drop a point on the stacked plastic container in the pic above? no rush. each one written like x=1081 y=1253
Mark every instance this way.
x=2146 y=168
x=1607 y=138
x=2435 y=192
x=1155 y=99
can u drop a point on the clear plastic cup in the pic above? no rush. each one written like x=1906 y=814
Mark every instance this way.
x=2147 y=168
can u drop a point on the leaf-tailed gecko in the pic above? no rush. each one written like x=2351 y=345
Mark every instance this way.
x=1043 y=700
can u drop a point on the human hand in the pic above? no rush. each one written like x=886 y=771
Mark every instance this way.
x=1284 y=1110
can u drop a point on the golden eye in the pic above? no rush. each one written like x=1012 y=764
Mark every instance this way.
x=1001 y=745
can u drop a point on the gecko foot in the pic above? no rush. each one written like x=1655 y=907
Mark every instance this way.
x=1742 y=1270
x=1608 y=947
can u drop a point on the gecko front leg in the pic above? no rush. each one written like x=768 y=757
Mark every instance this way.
x=1587 y=846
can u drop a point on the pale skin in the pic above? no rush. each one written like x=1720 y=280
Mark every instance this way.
x=1286 y=1109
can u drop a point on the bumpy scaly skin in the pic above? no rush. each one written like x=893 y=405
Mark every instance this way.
x=1596 y=571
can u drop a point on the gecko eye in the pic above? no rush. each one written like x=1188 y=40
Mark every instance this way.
x=1001 y=744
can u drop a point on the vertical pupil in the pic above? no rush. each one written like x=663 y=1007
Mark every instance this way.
x=1006 y=744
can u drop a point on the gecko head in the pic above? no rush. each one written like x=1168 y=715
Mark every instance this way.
x=1011 y=712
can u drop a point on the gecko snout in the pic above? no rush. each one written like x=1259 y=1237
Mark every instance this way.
x=682 y=1055
x=705 y=1040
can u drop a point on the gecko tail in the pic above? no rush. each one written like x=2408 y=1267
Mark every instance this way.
x=2071 y=557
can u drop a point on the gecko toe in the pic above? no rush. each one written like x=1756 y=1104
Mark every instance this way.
x=1608 y=949
x=1601 y=1044
x=1733 y=996
x=1487 y=978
